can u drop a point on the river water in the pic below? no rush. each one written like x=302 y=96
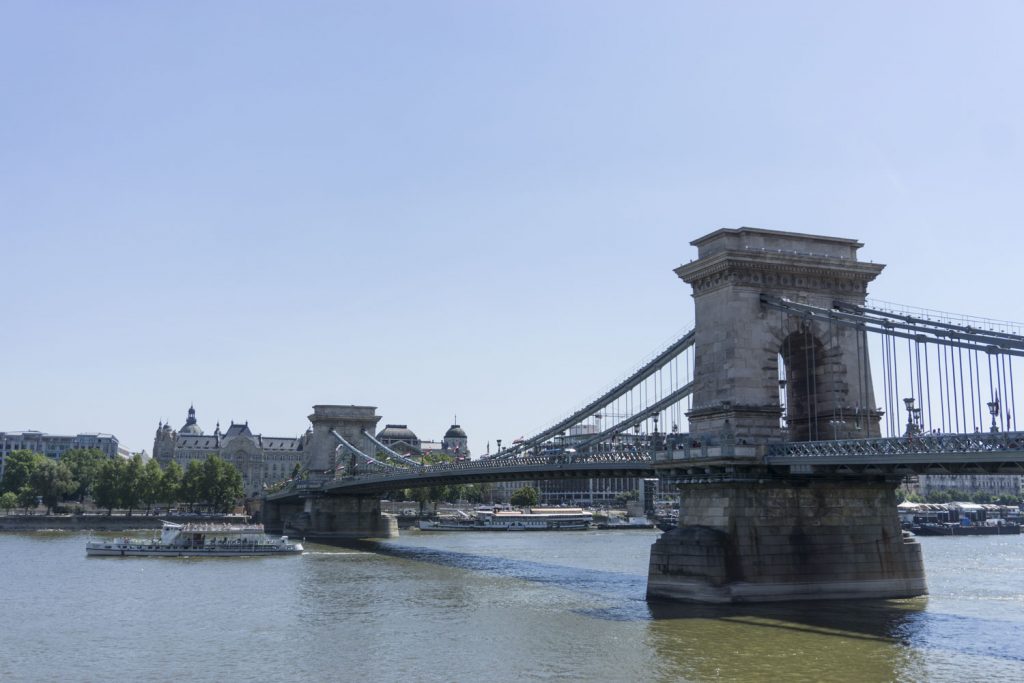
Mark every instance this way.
x=463 y=606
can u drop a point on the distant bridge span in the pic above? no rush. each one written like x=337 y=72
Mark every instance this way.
x=472 y=472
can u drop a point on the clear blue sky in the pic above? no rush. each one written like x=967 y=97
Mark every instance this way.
x=462 y=207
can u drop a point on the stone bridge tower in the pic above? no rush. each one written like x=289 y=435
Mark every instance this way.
x=747 y=354
x=349 y=422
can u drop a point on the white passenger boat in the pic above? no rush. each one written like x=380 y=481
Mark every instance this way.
x=198 y=540
x=537 y=519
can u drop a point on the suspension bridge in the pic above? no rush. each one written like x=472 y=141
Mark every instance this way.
x=764 y=416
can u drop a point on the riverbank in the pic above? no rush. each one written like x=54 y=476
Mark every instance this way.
x=99 y=522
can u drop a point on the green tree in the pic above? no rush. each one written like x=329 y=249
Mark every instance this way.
x=191 y=489
x=130 y=484
x=84 y=464
x=170 y=483
x=627 y=496
x=51 y=480
x=221 y=483
x=107 y=488
x=27 y=498
x=18 y=467
x=8 y=501
x=526 y=496
x=150 y=483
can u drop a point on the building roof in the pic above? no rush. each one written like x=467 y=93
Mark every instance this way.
x=238 y=430
x=455 y=432
x=191 y=426
x=195 y=441
x=397 y=433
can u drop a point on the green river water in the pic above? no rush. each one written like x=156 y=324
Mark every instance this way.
x=463 y=606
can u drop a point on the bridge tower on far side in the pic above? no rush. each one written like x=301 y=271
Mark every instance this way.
x=350 y=422
x=754 y=365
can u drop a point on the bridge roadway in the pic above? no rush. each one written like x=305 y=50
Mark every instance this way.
x=978 y=453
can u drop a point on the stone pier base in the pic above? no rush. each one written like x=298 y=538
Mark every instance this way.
x=330 y=518
x=775 y=540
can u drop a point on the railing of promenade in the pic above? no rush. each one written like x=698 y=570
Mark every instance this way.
x=917 y=444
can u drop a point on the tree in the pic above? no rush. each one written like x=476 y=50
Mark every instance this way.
x=526 y=496
x=130 y=484
x=150 y=483
x=84 y=464
x=18 y=467
x=106 y=491
x=191 y=483
x=8 y=501
x=221 y=483
x=51 y=480
x=627 y=496
x=27 y=498
x=170 y=483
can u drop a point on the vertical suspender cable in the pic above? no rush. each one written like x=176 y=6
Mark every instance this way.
x=1013 y=396
x=910 y=371
x=970 y=380
x=977 y=382
x=942 y=404
x=896 y=387
x=951 y=376
x=887 y=389
x=963 y=399
x=928 y=386
x=920 y=394
x=1002 y=384
x=991 y=396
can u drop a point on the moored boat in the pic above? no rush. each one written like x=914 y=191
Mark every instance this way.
x=198 y=540
x=954 y=529
x=630 y=523
x=537 y=519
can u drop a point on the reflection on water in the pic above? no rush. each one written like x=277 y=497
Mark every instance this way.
x=856 y=641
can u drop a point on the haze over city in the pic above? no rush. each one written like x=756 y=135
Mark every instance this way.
x=457 y=208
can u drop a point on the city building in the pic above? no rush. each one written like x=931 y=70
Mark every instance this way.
x=55 y=445
x=260 y=459
x=401 y=439
x=989 y=484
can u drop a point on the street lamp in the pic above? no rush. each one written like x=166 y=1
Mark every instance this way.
x=993 y=409
x=911 y=410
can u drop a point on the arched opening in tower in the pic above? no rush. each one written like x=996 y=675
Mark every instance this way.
x=801 y=384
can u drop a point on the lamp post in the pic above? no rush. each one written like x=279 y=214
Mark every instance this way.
x=993 y=409
x=911 y=410
x=499 y=445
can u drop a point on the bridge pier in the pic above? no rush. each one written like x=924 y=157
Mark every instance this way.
x=750 y=539
x=329 y=518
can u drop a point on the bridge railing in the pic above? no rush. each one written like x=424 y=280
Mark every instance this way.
x=370 y=470
x=917 y=444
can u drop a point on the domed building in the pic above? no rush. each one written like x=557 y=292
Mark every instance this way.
x=400 y=439
x=260 y=459
x=456 y=442
x=191 y=426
